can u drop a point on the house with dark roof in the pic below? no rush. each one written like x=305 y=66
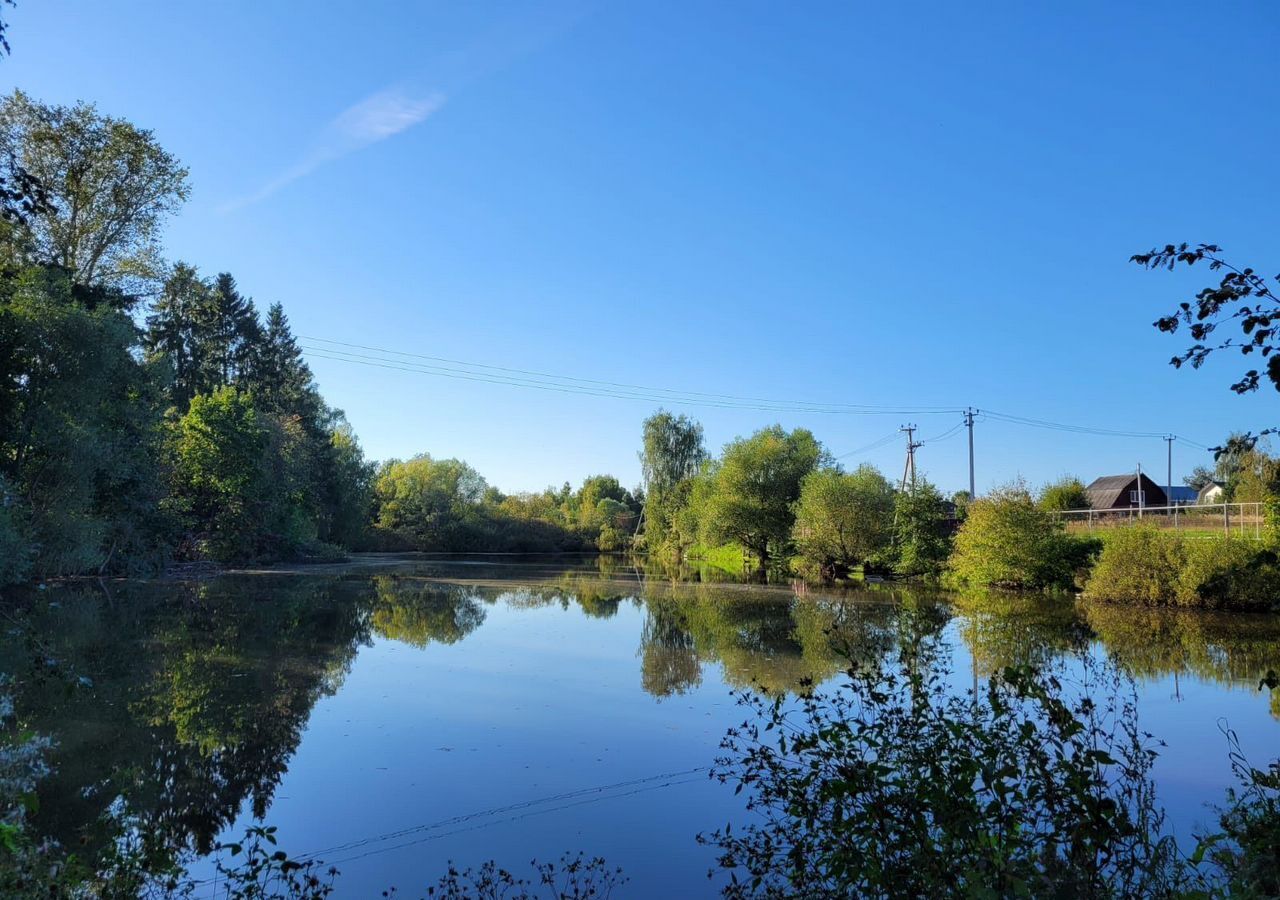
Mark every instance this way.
x=1125 y=492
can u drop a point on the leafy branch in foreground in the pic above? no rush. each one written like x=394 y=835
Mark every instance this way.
x=1241 y=294
x=1247 y=850
x=572 y=878
x=255 y=870
x=895 y=786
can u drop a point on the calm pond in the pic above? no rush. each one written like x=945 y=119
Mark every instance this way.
x=397 y=714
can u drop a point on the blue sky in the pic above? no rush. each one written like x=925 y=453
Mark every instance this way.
x=892 y=204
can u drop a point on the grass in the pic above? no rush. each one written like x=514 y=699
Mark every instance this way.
x=728 y=557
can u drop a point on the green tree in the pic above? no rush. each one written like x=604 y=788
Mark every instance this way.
x=596 y=489
x=281 y=379
x=220 y=480
x=671 y=456
x=753 y=490
x=235 y=333
x=78 y=424
x=673 y=450
x=109 y=187
x=1008 y=540
x=1254 y=476
x=429 y=501
x=922 y=531
x=350 y=487
x=178 y=330
x=843 y=519
x=1068 y=492
x=1199 y=477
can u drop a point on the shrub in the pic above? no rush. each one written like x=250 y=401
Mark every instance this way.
x=1139 y=564
x=1229 y=572
x=1142 y=564
x=895 y=786
x=1068 y=492
x=1007 y=540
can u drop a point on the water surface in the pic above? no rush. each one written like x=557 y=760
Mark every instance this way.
x=396 y=715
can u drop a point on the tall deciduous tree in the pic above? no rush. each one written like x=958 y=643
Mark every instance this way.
x=672 y=453
x=427 y=499
x=753 y=489
x=220 y=481
x=843 y=519
x=673 y=450
x=109 y=187
x=77 y=422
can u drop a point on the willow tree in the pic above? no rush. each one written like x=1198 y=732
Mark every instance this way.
x=672 y=454
x=843 y=519
x=753 y=491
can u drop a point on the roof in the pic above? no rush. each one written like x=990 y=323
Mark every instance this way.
x=1209 y=486
x=1105 y=491
x=1181 y=493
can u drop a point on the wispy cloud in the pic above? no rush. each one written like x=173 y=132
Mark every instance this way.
x=375 y=118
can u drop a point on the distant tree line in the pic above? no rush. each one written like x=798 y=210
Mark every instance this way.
x=150 y=413
x=783 y=500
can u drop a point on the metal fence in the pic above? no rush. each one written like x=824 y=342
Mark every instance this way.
x=1242 y=519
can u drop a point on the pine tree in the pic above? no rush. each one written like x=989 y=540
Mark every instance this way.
x=282 y=381
x=234 y=328
x=177 y=332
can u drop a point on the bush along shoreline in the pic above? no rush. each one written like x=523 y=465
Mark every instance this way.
x=1143 y=564
x=1010 y=541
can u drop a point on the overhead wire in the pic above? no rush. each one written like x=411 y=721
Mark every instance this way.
x=486 y=373
x=874 y=445
x=572 y=383
x=949 y=433
x=1076 y=429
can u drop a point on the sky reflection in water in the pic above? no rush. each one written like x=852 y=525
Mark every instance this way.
x=392 y=719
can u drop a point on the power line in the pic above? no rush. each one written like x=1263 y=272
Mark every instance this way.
x=874 y=445
x=1076 y=429
x=484 y=373
x=946 y=435
x=531 y=378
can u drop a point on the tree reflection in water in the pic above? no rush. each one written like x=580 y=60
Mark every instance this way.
x=175 y=705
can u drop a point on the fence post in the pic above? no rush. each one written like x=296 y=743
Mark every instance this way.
x=1226 y=519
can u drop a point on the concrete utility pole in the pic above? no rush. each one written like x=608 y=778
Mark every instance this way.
x=1140 y=491
x=909 y=470
x=968 y=421
x=1169 y=439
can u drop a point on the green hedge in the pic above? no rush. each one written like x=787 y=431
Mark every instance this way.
x=1142 y=564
